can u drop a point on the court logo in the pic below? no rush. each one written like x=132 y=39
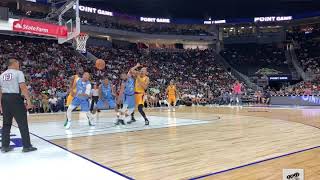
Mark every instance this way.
x=15 y=142
x=18 y=26
x=293 y=174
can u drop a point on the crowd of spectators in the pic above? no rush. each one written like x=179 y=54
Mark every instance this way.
x=197 y=73
x=300 y=89
x=47 y=66
x=309 y=56
x=200 y=78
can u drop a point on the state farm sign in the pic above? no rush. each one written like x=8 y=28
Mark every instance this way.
x=26 y=27
x=40 y=28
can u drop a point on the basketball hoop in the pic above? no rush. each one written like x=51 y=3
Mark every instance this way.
x=81 y=41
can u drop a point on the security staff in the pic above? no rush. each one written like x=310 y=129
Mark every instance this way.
x=12 y=81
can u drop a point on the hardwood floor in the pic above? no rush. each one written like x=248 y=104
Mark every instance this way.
x=233 y=137
x=269 y=170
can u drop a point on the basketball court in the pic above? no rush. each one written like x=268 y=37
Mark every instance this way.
x=190 y=143
x=220 y=143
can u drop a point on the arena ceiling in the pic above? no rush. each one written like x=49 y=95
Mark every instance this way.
x=207 y=8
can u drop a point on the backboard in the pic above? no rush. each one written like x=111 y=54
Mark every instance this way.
x=67 y=14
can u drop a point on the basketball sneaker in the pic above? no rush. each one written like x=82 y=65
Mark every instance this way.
x=131 y=121
x=67 y=124
x=120 y=121
x=90 y=121
x=29 y=149
x=6 y=149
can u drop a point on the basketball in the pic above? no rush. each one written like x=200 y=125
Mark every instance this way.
x=100 y=64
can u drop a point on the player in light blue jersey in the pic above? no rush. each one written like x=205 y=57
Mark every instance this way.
x=127 y=97
x=81 y=99
x=106 y=96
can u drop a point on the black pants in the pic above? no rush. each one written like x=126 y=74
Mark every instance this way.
x=13 y=107
x=94 y=101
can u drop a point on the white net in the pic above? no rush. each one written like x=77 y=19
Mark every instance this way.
x=81 y=41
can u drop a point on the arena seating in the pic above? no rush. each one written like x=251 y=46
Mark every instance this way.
x=194 y=70
x=48 y=67
x=249 y=58
x=308 y=45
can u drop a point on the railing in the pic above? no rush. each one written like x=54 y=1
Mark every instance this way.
x=294 y=74
x=91 y=56
x=296 y=64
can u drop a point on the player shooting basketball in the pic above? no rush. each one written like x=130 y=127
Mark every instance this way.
x=141 y=85
x=126 y=95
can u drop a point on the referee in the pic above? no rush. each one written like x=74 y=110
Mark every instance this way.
x=12 y=81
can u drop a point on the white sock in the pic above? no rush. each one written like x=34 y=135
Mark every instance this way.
x=169 y=105
x=69 y=112
x=89 y=116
